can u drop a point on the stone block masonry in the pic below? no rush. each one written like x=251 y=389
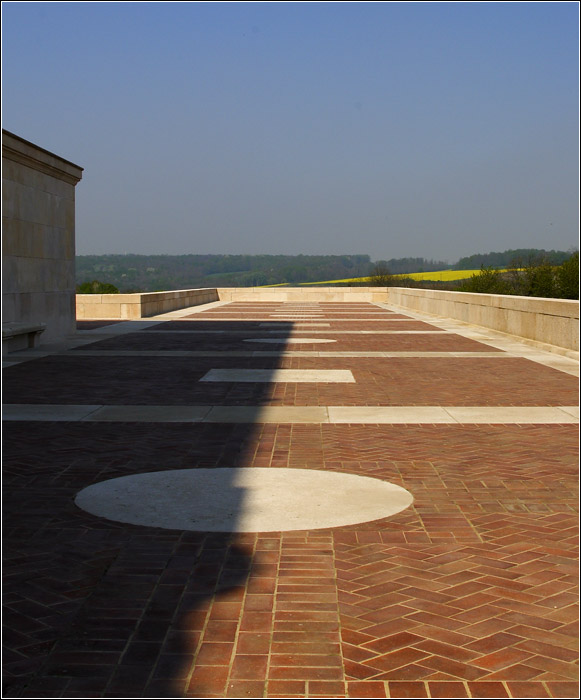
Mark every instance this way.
x=140 y=305
x=551 y=321
x=38 y=241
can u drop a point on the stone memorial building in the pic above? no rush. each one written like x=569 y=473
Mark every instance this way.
x=38 y=244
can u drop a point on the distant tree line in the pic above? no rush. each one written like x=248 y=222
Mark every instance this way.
x=148 y=273
x=403 y=266
x=534 y=276
x=507 y=257
x=531 y=272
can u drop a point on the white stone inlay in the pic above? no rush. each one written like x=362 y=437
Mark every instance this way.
x=267 y=414
x=294 y=414
x=48 y=412
x=302 y=324
x=510 y=414
x=388 y=414
x=243 y=500
x=279 y=375
x=290 y=341
x=153 y=414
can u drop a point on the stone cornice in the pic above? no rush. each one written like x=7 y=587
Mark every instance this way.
x=19 y=150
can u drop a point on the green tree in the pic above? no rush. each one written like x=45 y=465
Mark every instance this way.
x=380 y=276
x=533 y=277
x=567 y=276
x=96 y=287
x=487 y=281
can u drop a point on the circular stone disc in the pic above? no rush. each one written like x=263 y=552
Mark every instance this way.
x=289 y=340
x=243 y=500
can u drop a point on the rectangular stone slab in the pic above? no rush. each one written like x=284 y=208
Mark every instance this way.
x=267 y=414
x=280 y=324
x=47 y=412
x=389 y=414
x=511 y=414
x=151 y=414
x=280 y=375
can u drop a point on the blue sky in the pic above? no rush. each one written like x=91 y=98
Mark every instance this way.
x=395 y=129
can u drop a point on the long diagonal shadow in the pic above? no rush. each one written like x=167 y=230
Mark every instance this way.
x=109 y=606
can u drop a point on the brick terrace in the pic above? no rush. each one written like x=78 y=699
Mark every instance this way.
x=470 y=592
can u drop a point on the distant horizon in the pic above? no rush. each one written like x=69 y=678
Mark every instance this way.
x=571 y=250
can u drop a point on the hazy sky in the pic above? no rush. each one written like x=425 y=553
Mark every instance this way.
x=398 y=129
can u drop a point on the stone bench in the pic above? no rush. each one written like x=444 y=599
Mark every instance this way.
x=20 y=336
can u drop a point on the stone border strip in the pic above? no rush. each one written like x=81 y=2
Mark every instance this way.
x=294 y=331
x=290 y=341
x=303 y=320
x=387 y=415
x=283 y=353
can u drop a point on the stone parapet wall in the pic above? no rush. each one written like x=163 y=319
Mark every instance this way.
x=140 y=305
x=312 y=294
x=551 y=321
x=38 y=237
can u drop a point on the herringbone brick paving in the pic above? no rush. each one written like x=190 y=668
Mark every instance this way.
x=470 y=592
x=343 y=342
x=444 y=381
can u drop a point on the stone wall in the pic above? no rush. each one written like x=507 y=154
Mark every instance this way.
x=141 y=304
x=299 y=294
x=552 y=321
x=38 y=240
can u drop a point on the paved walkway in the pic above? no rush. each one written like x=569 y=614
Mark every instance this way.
x=469 y=592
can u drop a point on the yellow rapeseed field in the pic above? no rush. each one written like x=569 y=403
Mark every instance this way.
x=441 y=275
x=351 y=279
x=437 y=276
